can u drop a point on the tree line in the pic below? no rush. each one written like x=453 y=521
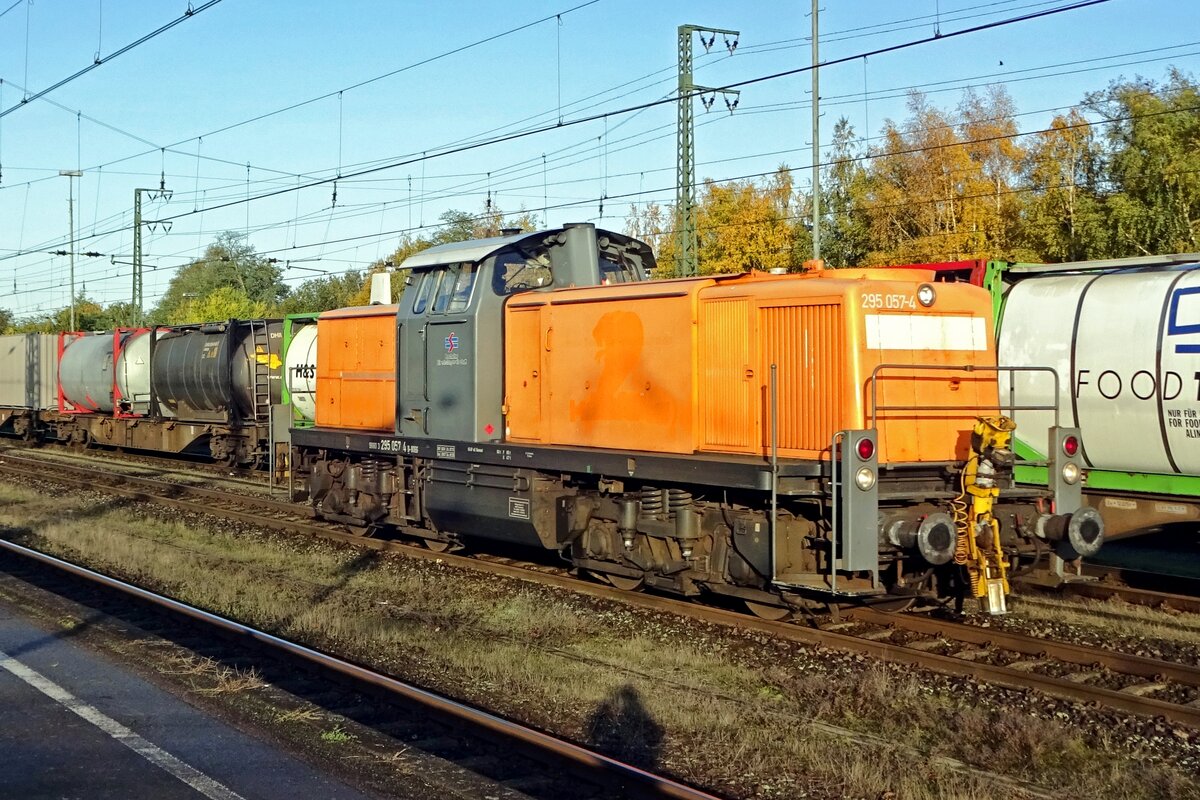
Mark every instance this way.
x=1117 y=175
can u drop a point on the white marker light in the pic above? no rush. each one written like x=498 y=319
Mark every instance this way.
x=1070 y=473
x=865 y=478
x=926 y=295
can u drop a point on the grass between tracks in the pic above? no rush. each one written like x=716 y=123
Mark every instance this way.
x=743 y=715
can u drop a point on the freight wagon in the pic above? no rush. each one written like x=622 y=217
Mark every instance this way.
x=205 y=389
x=1125 y=336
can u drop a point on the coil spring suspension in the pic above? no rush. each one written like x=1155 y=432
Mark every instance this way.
x=653 y=502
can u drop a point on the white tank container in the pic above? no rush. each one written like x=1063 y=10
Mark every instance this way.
x=1126 y=346
x=301 y=375
x=133 y=373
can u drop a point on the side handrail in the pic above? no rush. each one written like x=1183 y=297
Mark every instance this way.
x=1011 y=406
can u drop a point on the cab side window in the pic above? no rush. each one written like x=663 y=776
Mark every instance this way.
x=464 y=282
x=514 y=272
x=616 y=270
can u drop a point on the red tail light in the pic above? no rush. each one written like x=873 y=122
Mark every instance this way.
x=866 y=449
x=1071 y=446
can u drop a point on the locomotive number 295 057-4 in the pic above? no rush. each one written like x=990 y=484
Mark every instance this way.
x=898 y=302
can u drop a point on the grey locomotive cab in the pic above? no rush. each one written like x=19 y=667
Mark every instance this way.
x=449 y=340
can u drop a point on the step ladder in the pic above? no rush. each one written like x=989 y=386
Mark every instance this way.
x=262 y=371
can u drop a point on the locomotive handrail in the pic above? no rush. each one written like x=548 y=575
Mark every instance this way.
x=1011 y=406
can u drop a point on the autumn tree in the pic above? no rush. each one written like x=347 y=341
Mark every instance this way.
x=654 y=225
x=992 y=203
x=740 y=225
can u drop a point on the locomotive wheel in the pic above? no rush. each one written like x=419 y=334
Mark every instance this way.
x=436 y=545
x=767 y=611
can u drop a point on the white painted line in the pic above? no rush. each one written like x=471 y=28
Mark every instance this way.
x=152 y=753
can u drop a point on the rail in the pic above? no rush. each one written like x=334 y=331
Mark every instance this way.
x=635 y=782
x=895 y=652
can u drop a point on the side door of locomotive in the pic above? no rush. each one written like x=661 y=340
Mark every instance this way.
x=435 y=340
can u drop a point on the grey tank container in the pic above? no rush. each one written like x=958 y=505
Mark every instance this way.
x=86 y=373
x=207 y=373
x=28 y=371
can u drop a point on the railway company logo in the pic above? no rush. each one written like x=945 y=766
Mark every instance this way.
x=454 y=356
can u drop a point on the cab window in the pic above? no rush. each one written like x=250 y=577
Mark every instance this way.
x=427 y=281
x=515 y=272
x=616 y=271
x=454 y=291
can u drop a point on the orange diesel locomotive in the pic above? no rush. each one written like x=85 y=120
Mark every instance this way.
x=780 y=439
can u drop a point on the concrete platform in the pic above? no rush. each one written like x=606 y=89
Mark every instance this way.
x=75 y=725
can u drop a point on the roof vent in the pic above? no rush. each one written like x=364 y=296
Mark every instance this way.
x=509 y=231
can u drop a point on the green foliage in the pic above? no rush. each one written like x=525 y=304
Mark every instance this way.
x=1153 y=164
x=89 y=316
x=323 y=294
x=1064 y=215
x=845 y=238
x=231 y=263
x=6 y=321
x=222 y=303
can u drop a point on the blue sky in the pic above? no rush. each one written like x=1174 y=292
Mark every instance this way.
x=160 y=107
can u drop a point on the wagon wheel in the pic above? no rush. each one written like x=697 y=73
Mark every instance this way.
x=623 y=583
x=895 y=605
x=768 y=611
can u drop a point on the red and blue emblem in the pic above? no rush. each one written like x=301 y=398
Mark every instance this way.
x=451 y=342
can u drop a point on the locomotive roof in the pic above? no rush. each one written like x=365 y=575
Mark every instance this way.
x=479 y=249
x=470 y=250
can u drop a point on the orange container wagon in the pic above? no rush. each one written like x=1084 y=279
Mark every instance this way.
x=684 y=366
x=356 y=368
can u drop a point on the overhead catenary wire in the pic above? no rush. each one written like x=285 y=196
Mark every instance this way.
x=638 y=107
x=665 y=190
x=425 y=194
x=99 y=61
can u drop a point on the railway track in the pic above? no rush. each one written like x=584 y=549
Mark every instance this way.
x=529 y=762
x=1131 y=684
x=1129 y=585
